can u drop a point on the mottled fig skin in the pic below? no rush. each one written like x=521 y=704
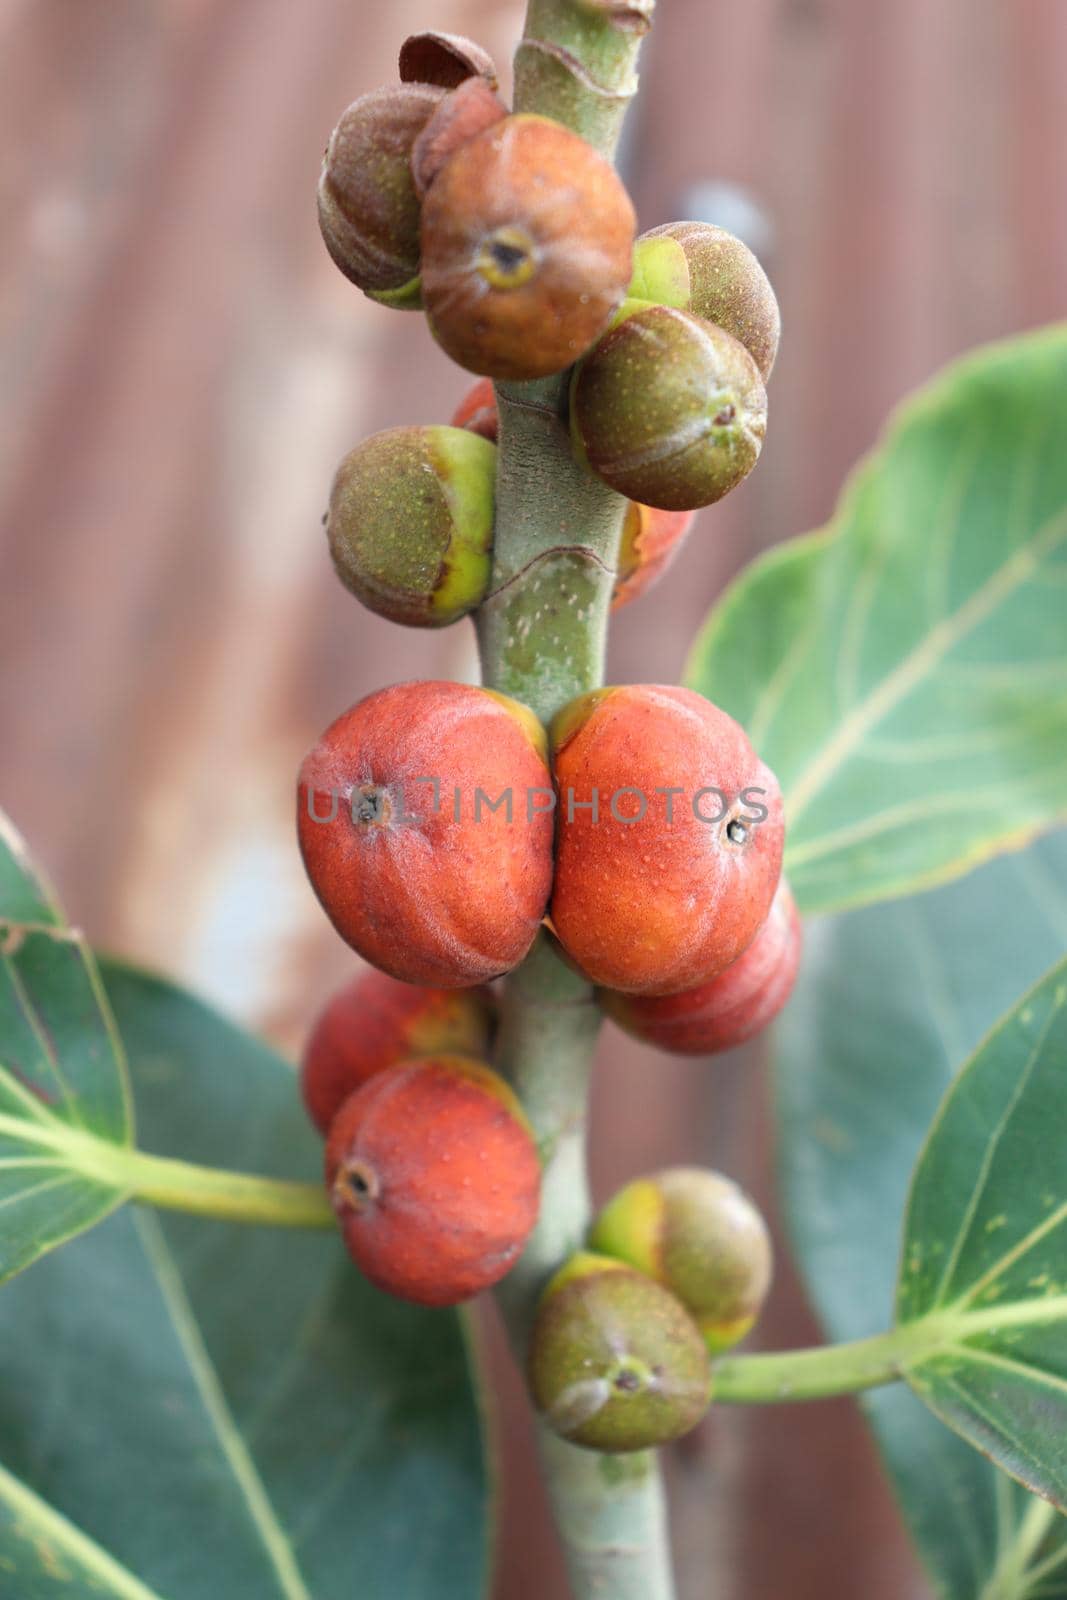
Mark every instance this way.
x=650 y=541
x=419 y=894
x=661 y=902
x=369 y=212
x=700 y=268
x=733 y=1007
x=462 y=114
x=445 y=59
x=668 y=409
x=434 y=1175
x=373 y=1022
x=521 y=270
x=410 y=523
x=477 y=411
x=700 y=1236
x=616 y=1363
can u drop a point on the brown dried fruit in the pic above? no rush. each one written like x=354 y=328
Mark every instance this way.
x=522 y=271
x=462 y=114
x=444 y=59
x=369 y=212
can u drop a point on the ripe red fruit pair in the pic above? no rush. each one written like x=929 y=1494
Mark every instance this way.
x=430 y=1163
x=427 y=828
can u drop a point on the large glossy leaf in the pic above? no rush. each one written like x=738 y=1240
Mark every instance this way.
x=192 y=1409
x=985 y=1247
x=891 y=1000
x=905 y=671
x=62 y=1075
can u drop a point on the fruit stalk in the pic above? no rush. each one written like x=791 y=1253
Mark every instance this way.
x=542 y=635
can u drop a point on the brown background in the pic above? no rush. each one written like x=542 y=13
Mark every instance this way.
x=181 y=367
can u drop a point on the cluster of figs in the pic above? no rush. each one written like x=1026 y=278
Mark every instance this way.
x=444 y=829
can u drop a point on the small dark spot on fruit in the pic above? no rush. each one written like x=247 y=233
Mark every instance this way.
x=508 y=257
x=356 y=1186
x=724 y=417
x=628 y=1382
x=369 y=807
x=737 y=831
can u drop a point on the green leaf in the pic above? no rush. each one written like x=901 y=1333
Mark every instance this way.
x=220 y=1410
x=890 y=1000
x=63 y=1080
x=24 y=894
x=985 y=1246
x=905 y=671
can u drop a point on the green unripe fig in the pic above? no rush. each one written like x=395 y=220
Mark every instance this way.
x=369 y=212
x=700 y=1236
x=616 y=1363
x=668 y=409
x=410 y=523
x=661 y=273
x=700 y=268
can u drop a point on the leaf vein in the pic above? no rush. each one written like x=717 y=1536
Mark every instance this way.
x=989 y=1156
x=275 y=1543
x=910 y=671
x=26 y=1503
x=992 y=1358
x=30 y=1012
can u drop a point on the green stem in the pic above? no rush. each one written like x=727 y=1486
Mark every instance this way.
x=543 y=628
x=542 y=634
x=864 y=1364
x=229 y=1196
x=576 y=63
x=816 y=1374
x=612 y=1519
x=177 y=1185
x=549 y=1024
